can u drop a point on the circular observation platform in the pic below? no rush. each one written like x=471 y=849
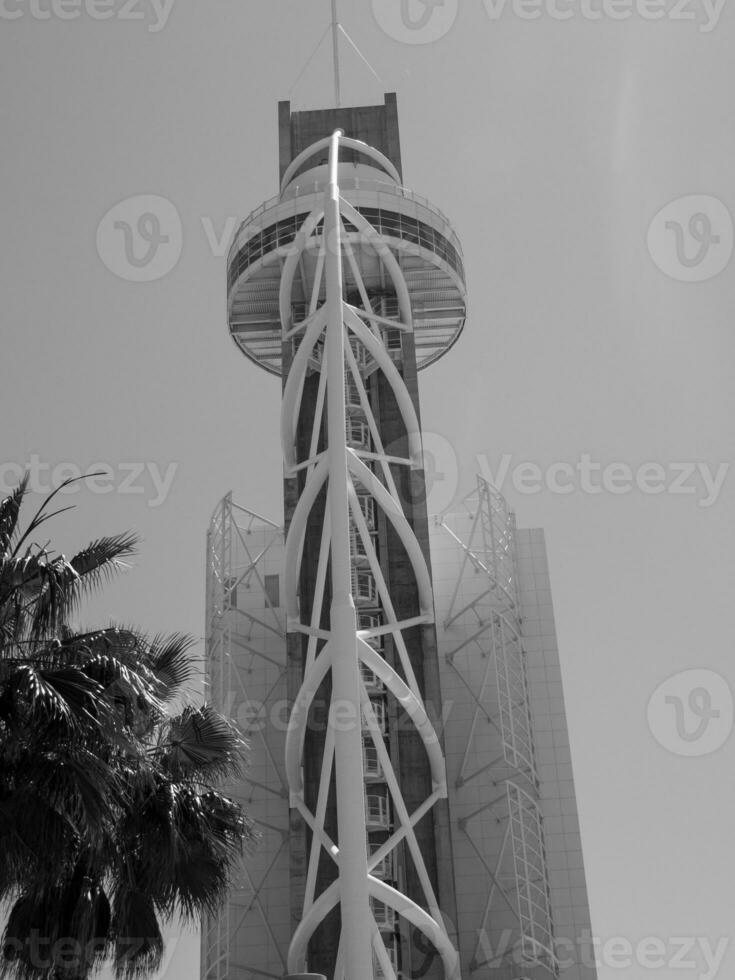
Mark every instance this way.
x=418 y=234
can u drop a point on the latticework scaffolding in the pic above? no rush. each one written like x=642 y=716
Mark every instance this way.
x=246 y=677
x=490 y=748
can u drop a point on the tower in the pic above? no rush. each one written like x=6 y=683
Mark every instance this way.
x=327 y=644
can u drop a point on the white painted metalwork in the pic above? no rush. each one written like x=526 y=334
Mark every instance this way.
x=246 y=679
x=335 y=53
x=495 y=774
x=345 y=343
x=529 y=857
x=387 y=228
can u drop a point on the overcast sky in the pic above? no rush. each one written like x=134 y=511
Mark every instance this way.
x=600 y=332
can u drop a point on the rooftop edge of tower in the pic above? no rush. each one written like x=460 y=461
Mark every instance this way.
x=376 y=125
x=380 y=214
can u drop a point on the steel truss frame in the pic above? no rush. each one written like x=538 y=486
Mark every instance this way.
x=234 y=567
x=342 y=340
x=497 y=797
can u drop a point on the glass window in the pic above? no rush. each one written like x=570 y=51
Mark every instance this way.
x=272 y=590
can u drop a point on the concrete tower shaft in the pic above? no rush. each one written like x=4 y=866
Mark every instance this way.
x=345 y=284
x=393 y=844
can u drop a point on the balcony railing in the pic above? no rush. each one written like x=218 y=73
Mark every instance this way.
x=364 y=589
x=367 y=506
x=358 y=434
x=378 y=706
x=377 y=811
x=358 y=551
x=385 y=916
x=371 y=681
x=378 y=972
x=371 y=766
x=384 y=869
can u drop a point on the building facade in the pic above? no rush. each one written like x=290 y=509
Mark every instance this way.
x=466 y=819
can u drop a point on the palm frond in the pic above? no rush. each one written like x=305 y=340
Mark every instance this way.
x=41 y=590
x=170 y=662
x=65 y=696
x=102 y=558
x=60 y=930
x=72 y=791
x=9 y=513
x=193 y=841
x=138 y=949
x=98 y=785
x=202 y=743
x=40 y=517
x=30 y=830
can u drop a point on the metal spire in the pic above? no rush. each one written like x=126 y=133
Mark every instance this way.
x=335 y=53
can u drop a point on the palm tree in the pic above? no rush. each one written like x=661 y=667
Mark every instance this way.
x=110 y=819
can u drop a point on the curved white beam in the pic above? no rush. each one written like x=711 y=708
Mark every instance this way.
x=294 y=387
x=403 y=905
x=295 y=538
x=296 y=731
x=383 y=359
x=345 y=141
x=402 y=528
x=338 y=467
x=413 y=708
x=389 y=259
x=291 y=264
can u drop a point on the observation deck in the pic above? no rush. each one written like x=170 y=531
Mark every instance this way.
x=420 y=237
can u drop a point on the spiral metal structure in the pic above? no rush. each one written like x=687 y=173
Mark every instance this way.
x=354 y=469
x=379 y=858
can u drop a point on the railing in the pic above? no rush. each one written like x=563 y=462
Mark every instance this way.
x=367 y=506
x=385 y=916
x=392 y=951
x=377 y=811
x=395 y=190
x=360 y=352
x=358 y=434
x=364 y=589
x=371 y=762
x=384 y=869
x=357 y=546
x=352 y=394
x=371 y=681
x=378 y=706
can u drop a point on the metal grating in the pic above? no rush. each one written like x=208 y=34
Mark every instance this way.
x=529 y=858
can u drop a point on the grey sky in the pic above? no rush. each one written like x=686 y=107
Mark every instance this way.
x=552 y=145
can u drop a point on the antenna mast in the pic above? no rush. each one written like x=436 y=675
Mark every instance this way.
x=335 y=54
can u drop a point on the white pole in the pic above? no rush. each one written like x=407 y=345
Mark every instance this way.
x=345 y=716
x=335 y=54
